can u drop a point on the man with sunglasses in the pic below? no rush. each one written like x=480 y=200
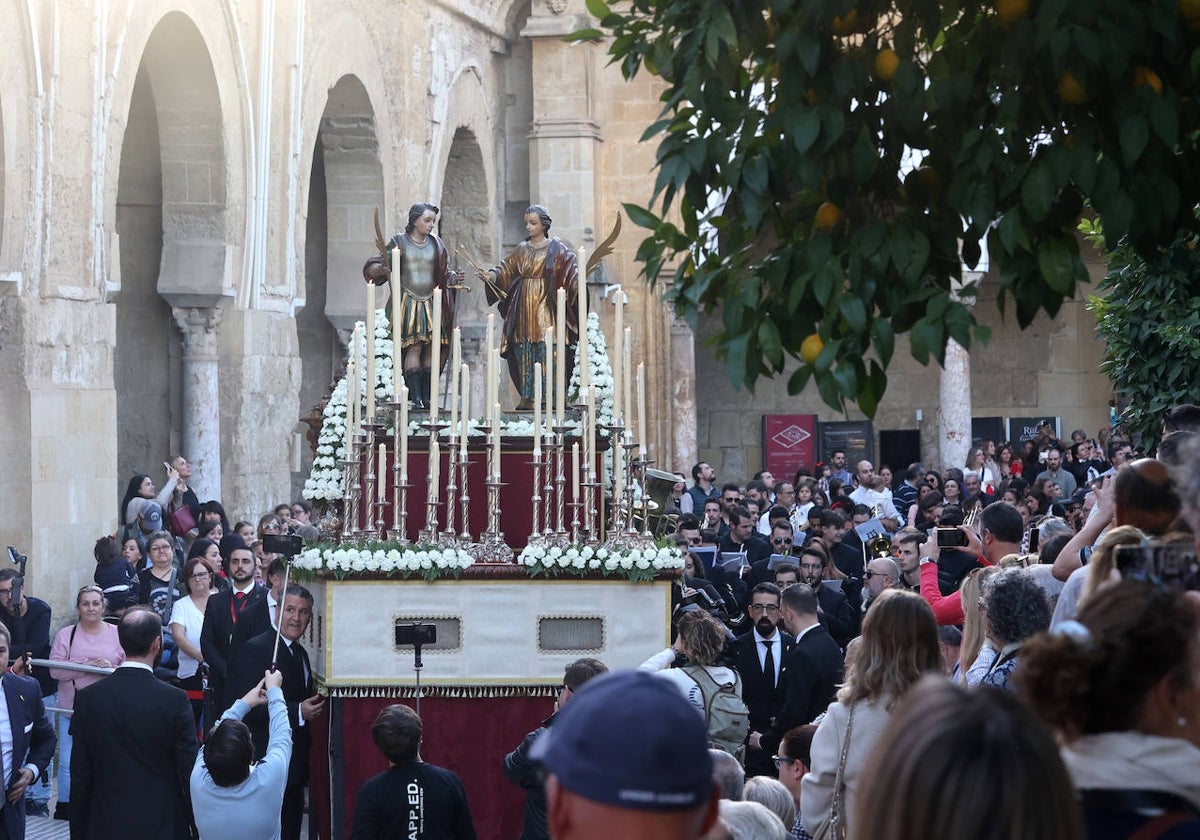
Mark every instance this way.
x=524 y=771
x=781 y=541
x=757 y=657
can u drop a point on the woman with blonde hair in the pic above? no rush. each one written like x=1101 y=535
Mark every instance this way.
x=976 y=655
x=898 y=646
x=1101 y=568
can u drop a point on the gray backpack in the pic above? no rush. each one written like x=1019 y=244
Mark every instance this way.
x=726 y=712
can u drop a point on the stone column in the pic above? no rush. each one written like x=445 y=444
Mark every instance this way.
x=954 y=413
x=682 y=410
x=564 y=138
x=201 y=433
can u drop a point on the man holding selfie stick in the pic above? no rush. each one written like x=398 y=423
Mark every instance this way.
x=303 y=705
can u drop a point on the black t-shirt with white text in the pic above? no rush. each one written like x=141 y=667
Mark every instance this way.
x=413 y=801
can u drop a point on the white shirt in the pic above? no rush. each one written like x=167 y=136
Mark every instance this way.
x=761 y=642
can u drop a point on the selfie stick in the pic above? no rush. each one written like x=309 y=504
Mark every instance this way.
x=287 y=568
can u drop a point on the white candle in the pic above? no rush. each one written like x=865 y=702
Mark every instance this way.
x=560 y=365
x=395 y=302
x=455 y=362
x=575 y=471
x=370 y=352
x=402 y=433
x=435 y=467
x=537 y=410
x=581 y=346
x=627 y=376
x=435 y=356
x=548 y=352
x=491 y=370
x=589 y=440
x=641 y=412
x=351 y=397
x=496 y=441
x=466 y=411
x=615 y=355
x=349 y=406
x=380 y=473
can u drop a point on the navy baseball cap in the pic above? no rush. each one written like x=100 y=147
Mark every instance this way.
x=629 y=739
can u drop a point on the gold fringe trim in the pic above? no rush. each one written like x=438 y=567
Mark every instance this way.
x=367 y=692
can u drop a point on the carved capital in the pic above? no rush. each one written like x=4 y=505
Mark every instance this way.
x=198 y=326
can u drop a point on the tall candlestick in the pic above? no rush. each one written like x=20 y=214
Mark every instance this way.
x=395 y=302
x=496 y=434
x=455 y=362
x=618 y=337
x=402 y=433
x=560 y=366
x=575 y=471
x=537 y=410
x=641 y=411
x=370 y=352
x=435 y=356
x=466 y=411
x=581 y=345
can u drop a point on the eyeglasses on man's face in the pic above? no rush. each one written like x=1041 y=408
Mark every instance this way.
x=769 y=608
x=782 y=541
x=781 y=760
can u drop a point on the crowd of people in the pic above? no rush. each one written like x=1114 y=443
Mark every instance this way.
x=913 y=653
x=1032 y=614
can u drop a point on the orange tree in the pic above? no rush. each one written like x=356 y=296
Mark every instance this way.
x=828 y=167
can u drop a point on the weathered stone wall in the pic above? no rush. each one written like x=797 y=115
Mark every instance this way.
x=1051 y=369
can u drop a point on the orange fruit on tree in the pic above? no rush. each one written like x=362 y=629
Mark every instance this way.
x=886 y=63
x=828 y=215
x=810 y=348
x=1143 y=75
x=1010 y=11
x=1070 y=90
x=845 y=24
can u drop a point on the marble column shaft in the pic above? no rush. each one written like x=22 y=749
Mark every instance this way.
x=201 y=433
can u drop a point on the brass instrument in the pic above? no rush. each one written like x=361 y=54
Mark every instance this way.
x=878 y=547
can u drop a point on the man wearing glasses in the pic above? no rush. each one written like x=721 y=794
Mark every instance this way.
x=834 y=608
x=758 y=656
x=524 y=771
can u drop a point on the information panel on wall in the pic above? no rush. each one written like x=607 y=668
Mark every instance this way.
x=1026 y=428
x=854 y=437
x=789 y=443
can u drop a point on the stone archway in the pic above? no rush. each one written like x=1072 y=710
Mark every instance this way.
x=349 y=146
x=345 y=188
x=175 y=263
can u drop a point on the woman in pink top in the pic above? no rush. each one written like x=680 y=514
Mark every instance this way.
x=90 y=642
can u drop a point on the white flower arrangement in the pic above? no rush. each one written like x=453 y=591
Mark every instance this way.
x=391 y=559
x=384 y=558
x=324 y=482
x=636 y=564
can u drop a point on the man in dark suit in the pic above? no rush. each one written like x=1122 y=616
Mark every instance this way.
x=758 y=657
x=231 y=619
x=32 y=740
x=134 y=746
x=811 y=670
x=249 y=663
x=836 y=614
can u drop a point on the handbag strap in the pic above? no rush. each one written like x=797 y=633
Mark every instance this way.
x=839 y=783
